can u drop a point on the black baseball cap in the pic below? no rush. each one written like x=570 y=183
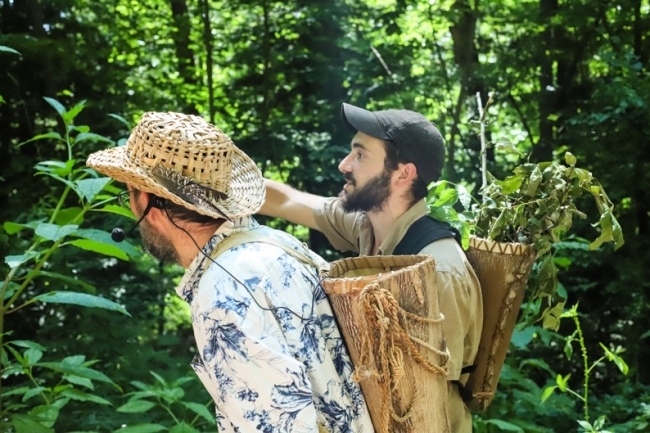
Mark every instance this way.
x=415 y=137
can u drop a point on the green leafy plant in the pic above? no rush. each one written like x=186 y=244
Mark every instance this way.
x=57 y=225
x=168 y=397
x=562 y=382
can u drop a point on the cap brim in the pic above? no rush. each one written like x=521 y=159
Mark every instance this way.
x=359 y=120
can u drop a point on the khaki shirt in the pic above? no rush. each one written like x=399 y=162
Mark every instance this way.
x=458 y=288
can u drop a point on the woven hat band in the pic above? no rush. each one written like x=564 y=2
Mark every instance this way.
x=204 y=156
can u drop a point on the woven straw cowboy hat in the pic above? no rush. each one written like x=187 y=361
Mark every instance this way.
x=184 y=159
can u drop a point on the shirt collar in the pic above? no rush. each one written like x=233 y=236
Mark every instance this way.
x=190 y=281
x=402 y=224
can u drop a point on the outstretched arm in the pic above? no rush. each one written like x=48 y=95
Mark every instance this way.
x=283 y=201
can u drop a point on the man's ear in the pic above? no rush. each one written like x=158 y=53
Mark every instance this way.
x=405 y=174
x=157 y=215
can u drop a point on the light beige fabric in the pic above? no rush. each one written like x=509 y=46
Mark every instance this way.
x=458 y=287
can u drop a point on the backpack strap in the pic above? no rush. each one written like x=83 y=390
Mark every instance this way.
x=423 y=232
x=247 y=236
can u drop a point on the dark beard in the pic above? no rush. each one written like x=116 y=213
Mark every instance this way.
x=157 y=245
x=370 y=197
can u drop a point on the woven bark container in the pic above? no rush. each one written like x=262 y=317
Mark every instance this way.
x=503 y=270
x=388 y=311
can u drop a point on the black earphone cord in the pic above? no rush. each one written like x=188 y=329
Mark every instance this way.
x=313 y=297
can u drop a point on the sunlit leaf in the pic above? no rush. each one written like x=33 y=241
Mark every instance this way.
x=83 y=299
x=8 y=50
x=74 y=111
x=101 y=248
x=17 y=260
x=89 y=188
x=104 y=237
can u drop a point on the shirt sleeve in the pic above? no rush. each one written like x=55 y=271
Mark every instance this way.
x=341 y=228
x=256 y=383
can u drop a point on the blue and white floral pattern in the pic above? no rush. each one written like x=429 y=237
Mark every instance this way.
x=270 y=353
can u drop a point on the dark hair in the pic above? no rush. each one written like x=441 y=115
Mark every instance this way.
x=393 y=158
x=181 y=213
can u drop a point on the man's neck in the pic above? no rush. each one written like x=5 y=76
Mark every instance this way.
x=382 y=221
x=188 y=248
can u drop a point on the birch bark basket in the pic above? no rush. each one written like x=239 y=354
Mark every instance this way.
x=389 y=314
x=503 y=270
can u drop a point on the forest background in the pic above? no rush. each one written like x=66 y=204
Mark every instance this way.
x=566 y=75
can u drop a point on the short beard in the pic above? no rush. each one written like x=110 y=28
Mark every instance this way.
x=370 y=197
x=157 y=244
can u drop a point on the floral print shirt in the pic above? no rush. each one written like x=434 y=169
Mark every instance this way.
x=269 y=350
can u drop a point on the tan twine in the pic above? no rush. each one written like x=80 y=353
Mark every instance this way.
x=384 y=339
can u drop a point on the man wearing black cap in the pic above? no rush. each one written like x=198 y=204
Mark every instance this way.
x=394 y=155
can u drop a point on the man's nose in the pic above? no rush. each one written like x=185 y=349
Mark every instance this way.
x=344 y=165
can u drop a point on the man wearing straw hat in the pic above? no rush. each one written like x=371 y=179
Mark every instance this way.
x=269 y=351
x=394 y=155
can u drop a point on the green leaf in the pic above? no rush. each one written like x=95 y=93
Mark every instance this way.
x=15 y=391
x=49 y=135
x=28 y=344
x=448 y=197
x=54 y=232
x=77 y=370
x=13 y=228
x=78 y=395
x=548 y=391
x=8 y=50
x=611 y=356
x=121 y=119
x=183 y=428
x=562 y=381
x=74 y=111
x=99 y=247
x=45 y=414
x=570 y=159
x=89 y=188
x=81 y=381
x=118 y=210
x=533 y=182
x=67 y=215
x=57 y=106
x=142 y=428
x=32 y=356
x=551 y=316
x=28 y=424
x=136 y=406
x=585 y=425
x=104 y=237
x=67 y=279
x=504 y=425
x=32 y=392
x=464 y=196
x=158 y=378
x=82 y=299
x=200 y=410
x=14 y=261
x=511 y=184
x=90 y=136
x=645 y=334
x=58 y=168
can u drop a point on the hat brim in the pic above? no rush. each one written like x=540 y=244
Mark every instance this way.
x=245 y=196
x=359 y=120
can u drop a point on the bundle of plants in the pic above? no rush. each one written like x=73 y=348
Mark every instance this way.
x=509 y=236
